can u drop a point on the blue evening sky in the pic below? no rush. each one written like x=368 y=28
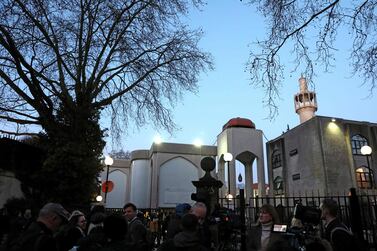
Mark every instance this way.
x=230 y=27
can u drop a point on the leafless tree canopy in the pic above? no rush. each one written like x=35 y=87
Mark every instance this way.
x=311 y=29
x=131 y=57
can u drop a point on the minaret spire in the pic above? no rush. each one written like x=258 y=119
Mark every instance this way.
x=305 y=101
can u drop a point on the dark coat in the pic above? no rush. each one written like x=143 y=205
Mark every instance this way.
x=204 y=233
x=341 y=238
x=122 y=245
x=137 y=235
x=36 y=238
x=173 y=226
x=95 y=240
x=69 y=237
x=253 y=238
x=183 y=241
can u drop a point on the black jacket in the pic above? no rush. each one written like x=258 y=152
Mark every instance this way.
x=36 y=238
x=339 y=236
x=183 y=241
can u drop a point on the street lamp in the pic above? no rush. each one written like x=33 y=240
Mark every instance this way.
x=99 y=198
x=227 y=158
x=367 y=151
x=108 y=162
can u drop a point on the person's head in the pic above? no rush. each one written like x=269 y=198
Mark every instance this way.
x=77 y=218
x=97 y=209
x=329 y=209
x=182 y=209
x=115 y=227
x=53 y=215
x=27 y=214
x=189 y=222
x=296 y=223
x=267 y=214
x=130 y=211
x=199 y=209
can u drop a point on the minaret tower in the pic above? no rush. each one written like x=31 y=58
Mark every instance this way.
x=305 y=101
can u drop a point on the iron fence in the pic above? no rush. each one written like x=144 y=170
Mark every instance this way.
x=359 y=212
x=356 y=211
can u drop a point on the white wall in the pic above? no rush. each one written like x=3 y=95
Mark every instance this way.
x=140 y=183
x=9 y=187
x=117 y=197
x=174 y=182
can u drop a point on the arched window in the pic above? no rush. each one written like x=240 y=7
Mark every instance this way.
x=364 y=178
x=358 y=141
x=276 y=159
x=278 y=185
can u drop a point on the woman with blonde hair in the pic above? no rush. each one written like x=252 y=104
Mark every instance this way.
x=261 y=235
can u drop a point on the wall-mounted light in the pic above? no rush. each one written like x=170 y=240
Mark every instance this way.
x=198 y=142
x=157 y=139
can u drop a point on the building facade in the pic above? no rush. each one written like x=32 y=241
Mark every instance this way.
x=162 y=176
x=322 y=154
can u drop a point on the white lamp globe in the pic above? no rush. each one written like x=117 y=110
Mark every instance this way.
x=108 y=161
x=366 y=150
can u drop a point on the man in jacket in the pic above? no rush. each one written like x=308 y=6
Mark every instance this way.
x=39 y=235
x=137 y=232
x=188 y=239
x=336 y=232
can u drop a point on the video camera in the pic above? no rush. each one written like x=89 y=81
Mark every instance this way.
x=307 y=215
x=304 y=230
x=227 y=222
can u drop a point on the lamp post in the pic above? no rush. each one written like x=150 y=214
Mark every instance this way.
x=227 y=158
x=108 y=162
x=242 y=214
x=99 y=198
x=367 y=151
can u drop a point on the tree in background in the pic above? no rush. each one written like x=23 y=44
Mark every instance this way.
x=64 y=63
x=310 y=29
x=120 y=154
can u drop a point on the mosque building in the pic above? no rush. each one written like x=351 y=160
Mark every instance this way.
x=324 y=155
x=162 y=176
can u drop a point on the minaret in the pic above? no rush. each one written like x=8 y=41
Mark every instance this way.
x=305 y=101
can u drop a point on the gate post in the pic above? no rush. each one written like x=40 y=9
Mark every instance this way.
x=243 y=221
x=355 y=214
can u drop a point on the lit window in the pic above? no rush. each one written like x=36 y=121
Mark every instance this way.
x=364 y=178
x=358 y=141
x=276 y=159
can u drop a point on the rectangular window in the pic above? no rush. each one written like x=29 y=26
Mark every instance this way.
x=293 y=152
x=276 y=160
x=296 y=176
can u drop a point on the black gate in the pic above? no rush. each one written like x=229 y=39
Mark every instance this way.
x=357 y=211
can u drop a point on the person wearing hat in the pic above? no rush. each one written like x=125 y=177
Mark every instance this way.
x=187 y=239
x=39 y=235
x=173 y=226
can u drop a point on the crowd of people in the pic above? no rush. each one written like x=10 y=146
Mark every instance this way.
x=188 y=228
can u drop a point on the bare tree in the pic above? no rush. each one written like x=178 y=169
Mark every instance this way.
x=64 y=63
x=311 y=29
x=120 y=154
